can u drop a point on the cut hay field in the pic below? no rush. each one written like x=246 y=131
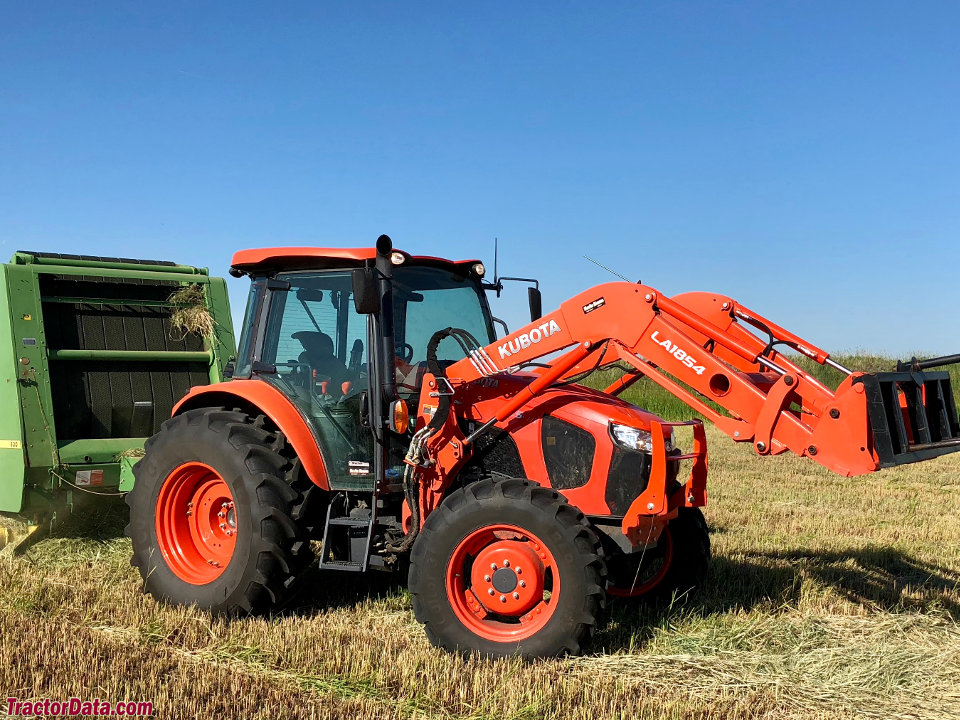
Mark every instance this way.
x=828 y=598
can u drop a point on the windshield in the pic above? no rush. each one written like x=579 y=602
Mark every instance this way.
x=428 y=299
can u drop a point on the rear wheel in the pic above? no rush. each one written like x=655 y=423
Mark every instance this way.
x=671 y=570
x=213 y=514
x=507 y=568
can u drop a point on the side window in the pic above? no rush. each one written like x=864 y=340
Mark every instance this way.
x=250 y=316
x=314 y=336
x=317 y=342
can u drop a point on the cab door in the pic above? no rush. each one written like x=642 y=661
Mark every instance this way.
x=319 y=346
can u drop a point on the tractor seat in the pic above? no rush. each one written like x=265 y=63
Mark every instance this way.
x=318 y=354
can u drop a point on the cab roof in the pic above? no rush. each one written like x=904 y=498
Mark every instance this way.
x=266 y=260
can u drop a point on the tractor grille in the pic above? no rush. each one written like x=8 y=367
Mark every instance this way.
x=497 y=452
x=628 y=477
x=567 y=453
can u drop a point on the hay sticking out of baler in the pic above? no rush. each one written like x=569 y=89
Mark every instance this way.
x=134 y=452
x=192 y=314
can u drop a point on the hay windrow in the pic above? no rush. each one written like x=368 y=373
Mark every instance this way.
x=191 y=314
x=829 y=598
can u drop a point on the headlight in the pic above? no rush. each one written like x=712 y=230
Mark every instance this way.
x=634 y=439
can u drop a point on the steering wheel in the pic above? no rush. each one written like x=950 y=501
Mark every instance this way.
x=303 y=375
x=404 y=351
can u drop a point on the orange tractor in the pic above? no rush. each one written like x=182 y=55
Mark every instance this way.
x=375 y=420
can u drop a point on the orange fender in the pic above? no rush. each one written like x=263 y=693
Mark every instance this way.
x=276 y=406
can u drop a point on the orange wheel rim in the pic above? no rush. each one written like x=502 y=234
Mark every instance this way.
x=196 y=523
x=503 y=583
x=649 y=583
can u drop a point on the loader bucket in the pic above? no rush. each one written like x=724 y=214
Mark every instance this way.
x=913 y=415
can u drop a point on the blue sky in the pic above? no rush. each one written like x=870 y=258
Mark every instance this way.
x=803 y=157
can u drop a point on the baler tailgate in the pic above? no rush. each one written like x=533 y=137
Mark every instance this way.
x=913 y=415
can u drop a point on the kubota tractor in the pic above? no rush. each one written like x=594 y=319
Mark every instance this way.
x=374 y=415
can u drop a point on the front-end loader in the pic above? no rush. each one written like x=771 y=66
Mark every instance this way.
x=375 y=422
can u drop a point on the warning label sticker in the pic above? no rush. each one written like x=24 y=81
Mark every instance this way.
x=89 y=477
x=359 y=467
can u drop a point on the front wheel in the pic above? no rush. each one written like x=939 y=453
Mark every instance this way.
x=673 y=569
x=507 y=568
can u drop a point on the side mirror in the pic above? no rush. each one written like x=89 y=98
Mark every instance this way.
x=536 y=303
x=366 y=294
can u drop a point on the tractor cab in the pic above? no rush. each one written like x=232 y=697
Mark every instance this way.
x=305 y=335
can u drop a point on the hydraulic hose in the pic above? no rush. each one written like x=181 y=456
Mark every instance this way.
x=416 y=454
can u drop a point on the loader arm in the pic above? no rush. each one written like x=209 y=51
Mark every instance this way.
x=700 y=347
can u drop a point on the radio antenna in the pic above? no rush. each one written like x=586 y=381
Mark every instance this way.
x=612 y=272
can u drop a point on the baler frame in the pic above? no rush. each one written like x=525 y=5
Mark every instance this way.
x=39 y=462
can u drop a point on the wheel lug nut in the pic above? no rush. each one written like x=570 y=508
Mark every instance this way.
x=493 y=566
x=506 y=563
x=517 y=570
x=523 y=583
x=503 y=598
x=516 y=596
x=486 y=578
x=490 y=591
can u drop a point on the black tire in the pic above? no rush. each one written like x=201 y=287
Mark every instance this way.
x=271 y=547
x=684 y=546
x=546 y=515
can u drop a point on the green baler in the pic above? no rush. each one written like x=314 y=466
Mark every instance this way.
x=92 y=363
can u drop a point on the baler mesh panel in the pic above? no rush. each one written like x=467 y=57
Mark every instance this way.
x=567 y=453
x=104 y=399
x=118 y=399
x=111 y=326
